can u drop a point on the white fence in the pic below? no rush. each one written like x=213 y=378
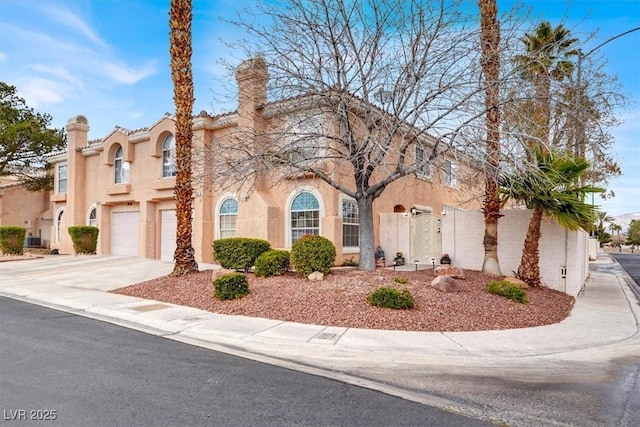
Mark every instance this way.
x=564 y=255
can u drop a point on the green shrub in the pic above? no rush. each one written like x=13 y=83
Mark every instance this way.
x=12 y=239
x=84 y=238
x=231 y=286
x=401 y=280
x=391 y=298
x=272 y=263
x=238 y=253
x=313 y=253
x=507 y=289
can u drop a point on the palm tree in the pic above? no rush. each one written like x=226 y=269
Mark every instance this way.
x=180 y=48
x=490 y=41
x=550 y=187
x=547 y=58
x=599 y=226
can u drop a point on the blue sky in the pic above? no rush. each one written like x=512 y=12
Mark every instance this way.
x=109 y=60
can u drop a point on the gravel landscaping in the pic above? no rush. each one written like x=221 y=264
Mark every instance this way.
x=341 y=300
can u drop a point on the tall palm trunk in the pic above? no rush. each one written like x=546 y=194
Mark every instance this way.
x=490 y=40
x=180 y=48
x=529 y=270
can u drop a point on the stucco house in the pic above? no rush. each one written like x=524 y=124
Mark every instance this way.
x=123 y=184
x=23 y=208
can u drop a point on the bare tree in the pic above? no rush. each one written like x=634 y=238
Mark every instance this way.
x=369 y=92
x=180 y=48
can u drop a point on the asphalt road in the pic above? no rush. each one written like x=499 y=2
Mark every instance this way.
x=60 y=369
x=630 y=263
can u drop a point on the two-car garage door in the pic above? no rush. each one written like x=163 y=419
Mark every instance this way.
x=124 y=233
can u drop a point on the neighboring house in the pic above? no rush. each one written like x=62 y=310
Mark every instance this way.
x=23 y=208
x=123 y=184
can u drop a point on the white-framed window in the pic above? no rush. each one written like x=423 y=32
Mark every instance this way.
x=121 y=167
x=62 y=179
x=305 y=135
x=423 y=166
x=227 y=218
x=92 y=217
x=450 y=173
x=169 y=157
x=305 y=216
x=350 y=223
x=59 y=215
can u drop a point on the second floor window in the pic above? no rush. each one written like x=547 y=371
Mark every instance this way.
x=450 y=173
x=168 y=157
x=62 y=179
x=121 y=167
x=423 y=169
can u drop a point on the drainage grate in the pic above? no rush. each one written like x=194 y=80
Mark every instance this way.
x=326 y=336
x=152 y=307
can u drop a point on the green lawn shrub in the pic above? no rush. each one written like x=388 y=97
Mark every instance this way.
x=84 y=238
x=508 y=290
x=401 y=280
x=238 y=253
x=12 y=239
x=391 y=298
x=273 y=262
x=231 y=286
x=313 y=253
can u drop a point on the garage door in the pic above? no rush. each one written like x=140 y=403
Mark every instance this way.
x=124 y=233
x=168 y=225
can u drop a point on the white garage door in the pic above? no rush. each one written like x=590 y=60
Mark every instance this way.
x=124 y=233
x=168 y=224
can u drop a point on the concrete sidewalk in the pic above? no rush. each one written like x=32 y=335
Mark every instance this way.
x=605 y=313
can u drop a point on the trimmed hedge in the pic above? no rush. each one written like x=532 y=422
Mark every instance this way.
x=391 y=298
x=238 y=253
x=272 y=263
x=231 y=286
x=12 y=239
x=508 y=290
x=84 y=238
x=313 y=253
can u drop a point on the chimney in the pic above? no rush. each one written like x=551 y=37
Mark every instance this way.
x=252 y=77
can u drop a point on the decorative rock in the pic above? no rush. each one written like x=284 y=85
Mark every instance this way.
x=316 y=276
x=445 y=284
x=447 y=270
x=514 y=280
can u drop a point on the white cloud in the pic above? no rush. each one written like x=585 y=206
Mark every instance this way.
x=122 y=73
x=58 y=72
x=3 y=57
x=76 y=24
x=38 y=91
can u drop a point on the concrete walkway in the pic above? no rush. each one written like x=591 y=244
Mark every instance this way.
x=604 y=324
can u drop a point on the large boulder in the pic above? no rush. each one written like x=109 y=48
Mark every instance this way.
x=448 y=270
x=316 y=276
x=445 y=284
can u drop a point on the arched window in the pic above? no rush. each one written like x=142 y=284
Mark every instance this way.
x=59 y=224
x=93 y=217
x=121 y=167
x=228 y=215
x=168 y=157
x=305 y=216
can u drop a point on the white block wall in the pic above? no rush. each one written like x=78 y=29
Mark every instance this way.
x=463 y=232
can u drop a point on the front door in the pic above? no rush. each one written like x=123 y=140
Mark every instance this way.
x=425 y=237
